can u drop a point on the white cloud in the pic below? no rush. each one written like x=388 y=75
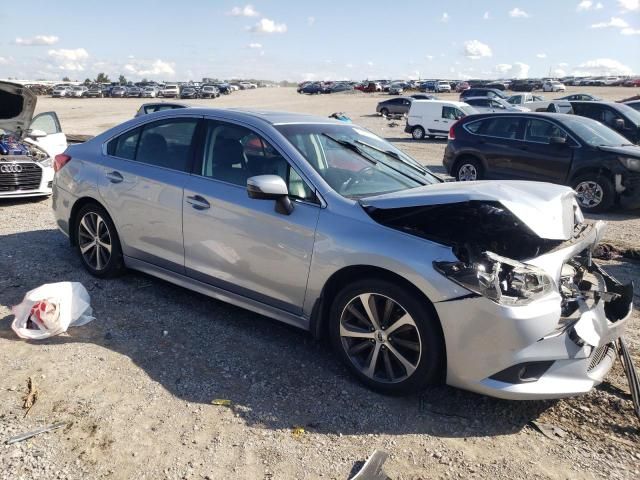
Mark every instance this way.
x=629 y=5
x=518 y=13
x=69 y=59
x=517 y=70
x=430 y=57
x=541 y=55
x=349 y=65
x=370 y=63
x=255 y=45
x=558 y=72
x=599 y=6
x=475 y=49
x=157 y=67
x=311 y=21
x=37 y=40
x=614 y=22
x=630 y=31
x=563 y=64
x=485 y=16
x=246 y=11
x=4 y=61
x=603 y=66
x=584 y=5
x=444 y=18
x=268 y=26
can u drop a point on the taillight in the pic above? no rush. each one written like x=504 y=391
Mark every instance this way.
x=60 y=161
x=452 y=133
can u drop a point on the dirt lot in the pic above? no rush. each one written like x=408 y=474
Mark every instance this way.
x=136 y=385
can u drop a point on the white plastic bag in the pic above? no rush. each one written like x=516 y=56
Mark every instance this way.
x=50 y=309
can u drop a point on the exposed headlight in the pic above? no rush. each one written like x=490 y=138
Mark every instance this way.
x=47 y=162
x=500 y=279
x=630 y=163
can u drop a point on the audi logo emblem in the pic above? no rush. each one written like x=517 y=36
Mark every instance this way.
x=13 y=168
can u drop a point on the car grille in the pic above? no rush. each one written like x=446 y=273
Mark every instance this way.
x=598 y=355
x=28 y=179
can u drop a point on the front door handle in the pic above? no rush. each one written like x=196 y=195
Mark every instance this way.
x=115 y=177
x=198 y=202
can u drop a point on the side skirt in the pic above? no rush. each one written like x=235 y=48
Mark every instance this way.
x=218 y=293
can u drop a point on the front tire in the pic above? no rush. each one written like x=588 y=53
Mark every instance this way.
x=97 y=242
x=387 y=337
x=594 y=192
x=468 y=170
x=384 y=112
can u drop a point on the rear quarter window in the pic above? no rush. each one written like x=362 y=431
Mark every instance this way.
x=473 y=127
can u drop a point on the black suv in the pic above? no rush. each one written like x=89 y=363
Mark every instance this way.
x=482 y=92
x=618 y=116
x=598 y=163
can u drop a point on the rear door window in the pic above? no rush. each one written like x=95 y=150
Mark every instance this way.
x=124 y=146
x=168 y=143
x=503 y=127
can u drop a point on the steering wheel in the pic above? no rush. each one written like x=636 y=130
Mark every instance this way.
x=352 y=181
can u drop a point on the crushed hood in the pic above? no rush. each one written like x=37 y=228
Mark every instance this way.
x=17 y=105
x=547 y=209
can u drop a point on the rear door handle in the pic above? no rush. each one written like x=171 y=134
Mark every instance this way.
x=198 y=202
x=115 y=177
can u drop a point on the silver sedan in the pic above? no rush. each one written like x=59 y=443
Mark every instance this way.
x=323 y=225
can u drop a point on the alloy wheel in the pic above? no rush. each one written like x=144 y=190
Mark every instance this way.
x=467 y=173
x=94 y=240
x=589 y=194
x=380 y=338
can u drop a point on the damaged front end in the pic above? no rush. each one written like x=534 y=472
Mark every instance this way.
x=540 y=316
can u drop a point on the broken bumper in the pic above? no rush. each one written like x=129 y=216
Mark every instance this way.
x=532 y=351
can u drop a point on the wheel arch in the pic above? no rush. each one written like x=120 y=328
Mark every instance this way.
x=77 y=206
x=319 y=324
x=598 y=170
x=468 y=156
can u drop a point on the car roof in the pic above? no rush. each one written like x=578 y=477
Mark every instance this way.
x=266 y=116
x=548 y=115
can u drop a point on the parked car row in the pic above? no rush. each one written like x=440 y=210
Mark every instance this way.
x=148 y=91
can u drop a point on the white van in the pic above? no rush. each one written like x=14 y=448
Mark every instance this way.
x=433 y=118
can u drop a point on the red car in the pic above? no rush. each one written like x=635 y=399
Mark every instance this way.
x=462 y=86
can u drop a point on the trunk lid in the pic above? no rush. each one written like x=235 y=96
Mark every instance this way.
x=17 y=105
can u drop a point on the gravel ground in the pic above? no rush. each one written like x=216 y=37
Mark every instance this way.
x=136 y=385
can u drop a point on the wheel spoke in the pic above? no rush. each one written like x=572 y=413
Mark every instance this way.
x=359 y=316
x=388 y=309
x=369 y=305
x=408 y=366
x=415 y=346
x=86 y=247
x=345 y=332
x=402 y=321
x=105 y=246
x=387 y=364
x=87 y=228
x=373 y=360
x=359 y=347
x=98 y=258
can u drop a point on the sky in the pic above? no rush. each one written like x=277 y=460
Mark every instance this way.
x=319 y=40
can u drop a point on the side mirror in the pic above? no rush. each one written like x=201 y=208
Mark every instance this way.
x=270 y=187
x=557 y=141
x=37 y=133
x=619 y=124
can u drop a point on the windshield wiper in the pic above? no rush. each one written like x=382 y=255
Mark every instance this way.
x=353 y=147
x=394 y=155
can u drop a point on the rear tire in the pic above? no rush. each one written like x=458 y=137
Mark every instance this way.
x=97 y=242
x=395 y=358
x=594 y=192
x=468 y=170
x=417 y=133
